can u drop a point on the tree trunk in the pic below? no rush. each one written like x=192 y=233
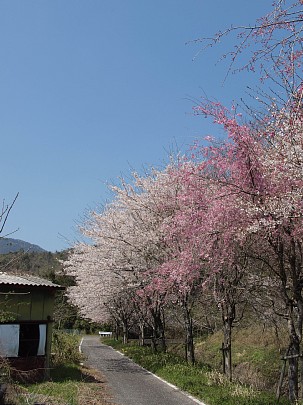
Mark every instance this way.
x=141 y=334
x=158 y=330
x=116 y=330
x=154 y=340
x=294 y=304
x=189 y=338
x=293 y=355
x=125 y=332
x=226 y=348
x=228 y=317
x=161 y=329
x=293 y=380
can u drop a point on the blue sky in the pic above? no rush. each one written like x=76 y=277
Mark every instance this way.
x=93 y=89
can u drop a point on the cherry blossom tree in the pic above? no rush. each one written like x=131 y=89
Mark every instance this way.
x=259 y=167
x=126 y=244
x=131 y=249
x=121 y=307
x=207 y=252
x=181 y=274
x=95 y=285
x=260 y=177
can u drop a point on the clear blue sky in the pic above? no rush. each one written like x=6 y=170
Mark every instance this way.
x=92 y=89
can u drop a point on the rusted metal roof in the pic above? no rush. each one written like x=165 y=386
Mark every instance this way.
x=28 y=280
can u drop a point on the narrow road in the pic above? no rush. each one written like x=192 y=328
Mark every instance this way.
x=130 y=384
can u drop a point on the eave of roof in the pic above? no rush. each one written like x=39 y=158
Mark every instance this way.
x=7 y=279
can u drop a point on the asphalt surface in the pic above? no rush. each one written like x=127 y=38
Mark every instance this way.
x=129 y=384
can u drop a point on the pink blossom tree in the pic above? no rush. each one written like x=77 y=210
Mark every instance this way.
x=260 y=178
x=202 y=234
x=261 y=164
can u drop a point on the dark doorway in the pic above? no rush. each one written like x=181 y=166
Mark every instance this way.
x=29 y=339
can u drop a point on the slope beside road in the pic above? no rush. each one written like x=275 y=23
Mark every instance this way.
x=130 y=384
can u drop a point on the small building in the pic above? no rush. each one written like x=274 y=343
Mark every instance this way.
x=26 y=317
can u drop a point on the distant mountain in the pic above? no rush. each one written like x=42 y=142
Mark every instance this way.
x=8 y=245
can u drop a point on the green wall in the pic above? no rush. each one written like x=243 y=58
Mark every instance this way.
x=27 y=304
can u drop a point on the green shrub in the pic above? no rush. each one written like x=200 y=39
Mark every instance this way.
x=65 y=349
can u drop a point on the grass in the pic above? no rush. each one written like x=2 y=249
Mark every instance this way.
x=213 y=388
x=255 y=356
x=70 y=385
x=63 y=385
x=203 y=381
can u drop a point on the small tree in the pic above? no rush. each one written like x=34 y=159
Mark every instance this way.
x=122 y=310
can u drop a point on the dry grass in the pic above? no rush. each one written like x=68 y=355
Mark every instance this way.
x=258 y=335
x=91 y=390
x=256 y=353
x=94 y=391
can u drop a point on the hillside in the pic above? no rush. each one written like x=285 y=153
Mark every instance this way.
x=41 y=263
x=9 y=245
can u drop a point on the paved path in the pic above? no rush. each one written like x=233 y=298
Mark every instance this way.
x=129 y=383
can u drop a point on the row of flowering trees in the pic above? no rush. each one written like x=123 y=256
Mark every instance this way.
x=226 y=221
x=222 y=223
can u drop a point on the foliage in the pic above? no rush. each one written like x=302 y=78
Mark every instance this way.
x=6 y=315
x=65 y=349
x=44 y=264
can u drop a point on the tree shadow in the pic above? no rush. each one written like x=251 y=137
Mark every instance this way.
x=123 y=365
